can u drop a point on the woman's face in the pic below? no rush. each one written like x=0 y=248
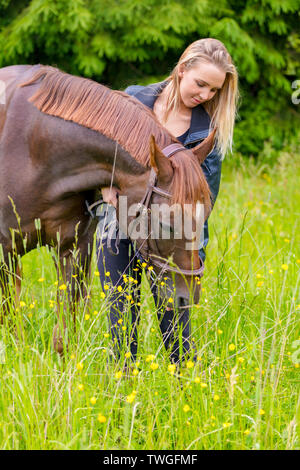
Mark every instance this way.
x=199 y=83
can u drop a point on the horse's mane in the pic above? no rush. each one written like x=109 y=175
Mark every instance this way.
x=120 y=117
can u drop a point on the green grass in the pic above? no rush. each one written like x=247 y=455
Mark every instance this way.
x=243 y=392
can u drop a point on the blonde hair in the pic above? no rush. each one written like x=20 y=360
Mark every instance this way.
x=222 y=108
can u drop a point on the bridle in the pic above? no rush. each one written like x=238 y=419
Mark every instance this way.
x=144 y=248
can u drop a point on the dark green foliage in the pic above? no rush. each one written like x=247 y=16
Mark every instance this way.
x=121 y=42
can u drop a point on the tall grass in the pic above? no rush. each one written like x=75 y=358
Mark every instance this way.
x=243 y=391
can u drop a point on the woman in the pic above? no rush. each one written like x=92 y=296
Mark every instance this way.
x=200 y=94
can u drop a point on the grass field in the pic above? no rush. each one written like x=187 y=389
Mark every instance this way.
x=243 y=391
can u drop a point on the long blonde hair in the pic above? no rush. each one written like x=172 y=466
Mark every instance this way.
x=222 y=108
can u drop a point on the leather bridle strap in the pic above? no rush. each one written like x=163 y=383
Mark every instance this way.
x=186 y=272
x=171 y=149
x=168 y=152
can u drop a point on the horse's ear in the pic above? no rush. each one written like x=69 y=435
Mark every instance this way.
x=206 y=146
x=160 y=162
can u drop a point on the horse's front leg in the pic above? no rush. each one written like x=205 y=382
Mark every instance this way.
x=73 y=271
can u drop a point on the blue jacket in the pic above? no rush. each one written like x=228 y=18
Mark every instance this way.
x=199 y=128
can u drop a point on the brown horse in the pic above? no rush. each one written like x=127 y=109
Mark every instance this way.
x=62 y=138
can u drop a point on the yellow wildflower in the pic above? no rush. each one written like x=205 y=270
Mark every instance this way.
x=101 y=418
x=227 y=425
x=130 y=398
x=189 y=364
x=172 y=368
x=150 y=357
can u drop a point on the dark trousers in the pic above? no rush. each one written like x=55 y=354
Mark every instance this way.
x=126 y=263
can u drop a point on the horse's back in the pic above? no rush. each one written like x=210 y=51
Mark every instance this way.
x=10 y=77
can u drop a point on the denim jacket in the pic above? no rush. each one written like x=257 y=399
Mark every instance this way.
x=198 y=130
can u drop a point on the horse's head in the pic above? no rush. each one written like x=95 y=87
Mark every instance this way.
x=167 y=223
